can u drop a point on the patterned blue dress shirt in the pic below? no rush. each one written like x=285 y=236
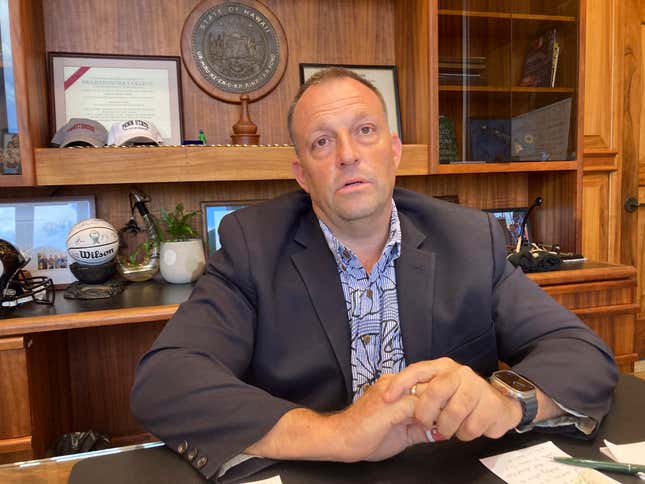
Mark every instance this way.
x=372 y=308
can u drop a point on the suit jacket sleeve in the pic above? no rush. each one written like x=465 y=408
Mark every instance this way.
x=189 y=386
x=543 y=341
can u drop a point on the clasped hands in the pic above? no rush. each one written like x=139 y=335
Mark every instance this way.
x=448 y=400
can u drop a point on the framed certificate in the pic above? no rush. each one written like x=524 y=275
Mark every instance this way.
x=382 y=77
x=111 y=88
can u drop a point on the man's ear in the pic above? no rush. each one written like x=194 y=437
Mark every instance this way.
x=299 y=173
x=396 y=149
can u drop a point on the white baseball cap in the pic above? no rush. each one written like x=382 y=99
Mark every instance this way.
x=134 y=131
x=81 y=132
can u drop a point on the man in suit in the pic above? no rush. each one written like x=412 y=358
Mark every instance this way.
x=351 y=320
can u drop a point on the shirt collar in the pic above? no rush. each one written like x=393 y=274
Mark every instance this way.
x=345 y=258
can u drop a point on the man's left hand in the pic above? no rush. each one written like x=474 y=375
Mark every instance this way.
x=455 y=400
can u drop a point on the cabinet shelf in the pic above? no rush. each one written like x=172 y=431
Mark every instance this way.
x=502 y=89
x=510 y=167
x=91 y=166
x=507 y=15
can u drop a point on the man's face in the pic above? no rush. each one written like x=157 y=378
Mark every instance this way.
x=347 y=155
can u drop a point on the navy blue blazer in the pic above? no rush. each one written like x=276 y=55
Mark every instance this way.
x=266 y=328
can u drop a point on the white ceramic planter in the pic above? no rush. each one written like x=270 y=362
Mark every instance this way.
x=182 y=262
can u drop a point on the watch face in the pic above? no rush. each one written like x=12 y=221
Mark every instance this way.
x=515 y=381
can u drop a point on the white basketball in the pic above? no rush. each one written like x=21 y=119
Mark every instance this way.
x=92 y=241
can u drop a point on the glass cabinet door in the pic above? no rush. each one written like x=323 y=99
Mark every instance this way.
x=508 y=73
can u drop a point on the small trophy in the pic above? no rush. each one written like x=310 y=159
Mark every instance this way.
x=245 y=131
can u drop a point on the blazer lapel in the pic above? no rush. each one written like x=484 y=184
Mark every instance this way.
x=317 y=268
x=415 y=279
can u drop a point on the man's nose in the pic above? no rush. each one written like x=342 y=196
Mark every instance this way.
x=347 y=154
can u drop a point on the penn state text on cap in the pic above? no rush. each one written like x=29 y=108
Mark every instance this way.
x=134 y=131
x=81 y=132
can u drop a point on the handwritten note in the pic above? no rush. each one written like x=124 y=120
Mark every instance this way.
x=535 y=465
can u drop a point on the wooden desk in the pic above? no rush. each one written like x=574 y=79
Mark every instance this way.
x=70 y=367
x=448 y=462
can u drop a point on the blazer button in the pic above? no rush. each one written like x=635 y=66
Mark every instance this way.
x=201 y=462
x=192 y=453
x=182 y=448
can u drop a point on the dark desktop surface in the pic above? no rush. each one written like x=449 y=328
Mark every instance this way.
x=445 y=463
x=155 y=292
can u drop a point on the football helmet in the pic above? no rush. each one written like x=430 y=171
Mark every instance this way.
x=15 y=286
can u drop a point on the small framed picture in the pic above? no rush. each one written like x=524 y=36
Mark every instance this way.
x=384 y=78
x=511 y=220
x=212 y=215
x=115 y=88
x=39 y=228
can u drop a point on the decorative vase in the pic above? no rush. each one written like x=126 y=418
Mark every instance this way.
x=182 y=261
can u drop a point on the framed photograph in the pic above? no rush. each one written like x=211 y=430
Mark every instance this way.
x=39 y=227
x=111 y=88
x=384 y=79
x=212 y=215
x=511 y=221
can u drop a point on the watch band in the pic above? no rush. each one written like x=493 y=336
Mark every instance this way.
x=529 y=411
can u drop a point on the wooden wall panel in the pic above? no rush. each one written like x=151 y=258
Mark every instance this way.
x=633 y=98
x=595 y=213
x=355 y=32
x=49 y=390
x=603 y=75
x=619 y=335
x=100 y=392
x=14 y=391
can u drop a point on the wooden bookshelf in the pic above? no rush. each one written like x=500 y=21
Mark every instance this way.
x=510 y=167
x=507 y=15
x=96 y=166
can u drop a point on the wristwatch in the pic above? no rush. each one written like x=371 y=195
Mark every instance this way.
x=510 y=383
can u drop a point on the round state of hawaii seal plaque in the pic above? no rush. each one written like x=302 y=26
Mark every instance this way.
x=234 y=47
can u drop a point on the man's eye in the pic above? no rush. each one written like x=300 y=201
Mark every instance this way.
x=320 y=142
x=366 y=129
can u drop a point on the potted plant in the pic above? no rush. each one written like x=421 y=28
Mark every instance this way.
x=182 y=251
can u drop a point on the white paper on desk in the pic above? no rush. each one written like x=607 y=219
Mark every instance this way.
x=625 y=453
x=270 y=480
x=536 y=465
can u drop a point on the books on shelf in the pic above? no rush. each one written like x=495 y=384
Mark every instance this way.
x=447 y=141
x=541 y=61
x=538 y=135
x=462 y=70
x=542 y=134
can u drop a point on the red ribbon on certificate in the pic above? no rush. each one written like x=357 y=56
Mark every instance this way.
x=76 y=76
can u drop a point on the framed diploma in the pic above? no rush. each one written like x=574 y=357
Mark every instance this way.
x=382 y=77
x=116 y=88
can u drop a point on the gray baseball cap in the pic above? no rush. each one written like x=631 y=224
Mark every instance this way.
x=81 y=132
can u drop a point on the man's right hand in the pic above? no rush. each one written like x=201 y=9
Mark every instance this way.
x=373 y=430
x=369 y=429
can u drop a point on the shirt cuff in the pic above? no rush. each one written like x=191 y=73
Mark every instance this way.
x=237 y=460
x=582 y=422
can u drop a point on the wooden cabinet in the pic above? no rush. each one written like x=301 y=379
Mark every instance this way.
x=15 y=424
x=604 y=297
